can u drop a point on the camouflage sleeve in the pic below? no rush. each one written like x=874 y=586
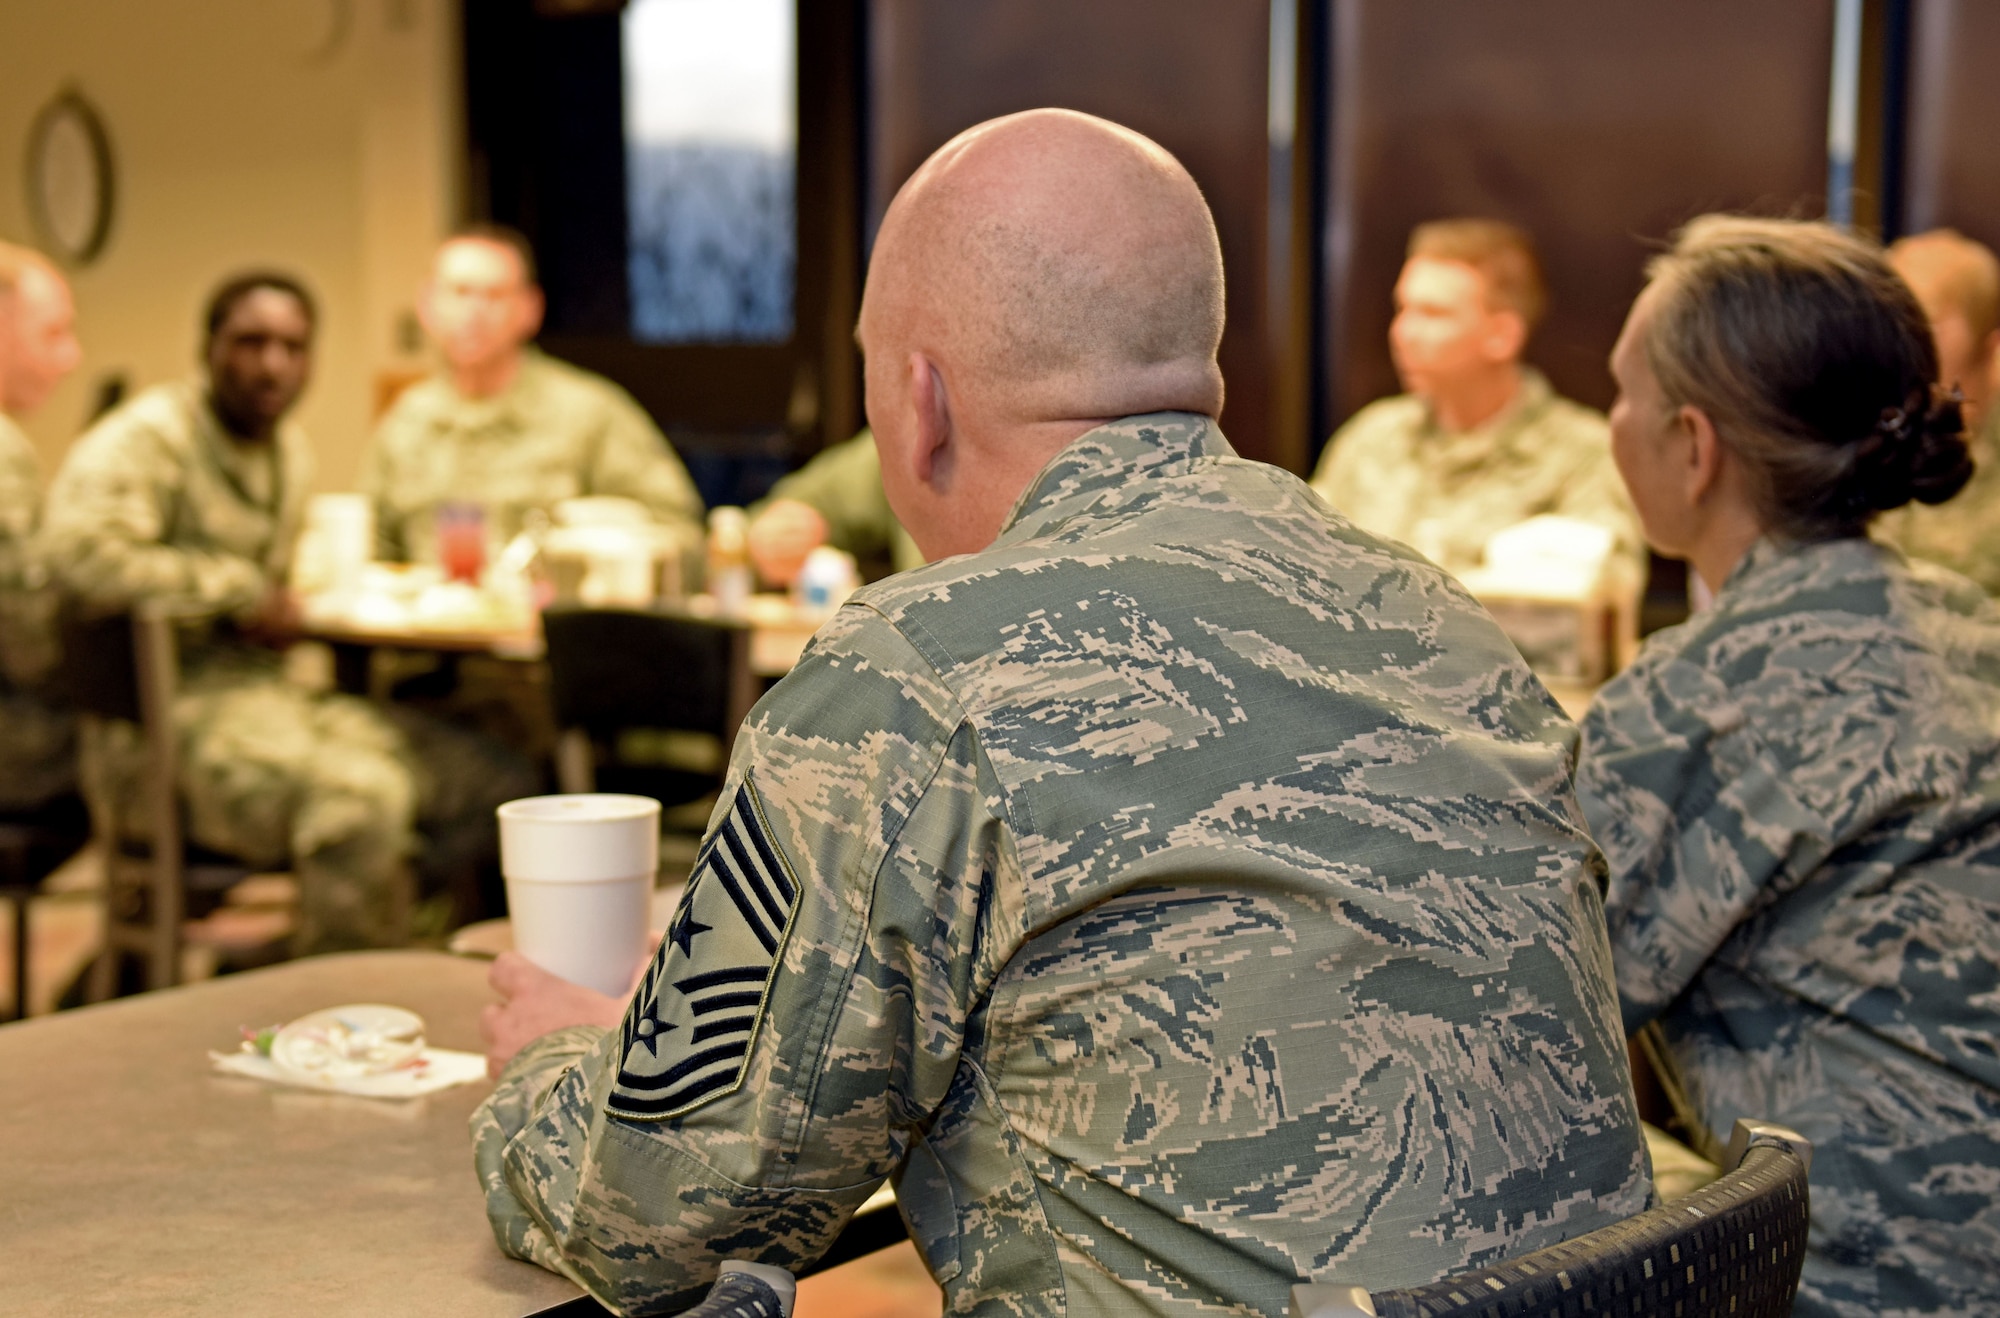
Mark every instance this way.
x=505 y=1113
x=377 y=480
x=634 y=460
x=1697 y=817
x=1343 y=464
x=806 y=1012
x=844 y=485
x=110 y=509
x=20 y=493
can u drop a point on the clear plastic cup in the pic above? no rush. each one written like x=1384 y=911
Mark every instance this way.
x=579 y=871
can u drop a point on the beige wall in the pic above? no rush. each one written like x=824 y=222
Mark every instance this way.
x=314 y=136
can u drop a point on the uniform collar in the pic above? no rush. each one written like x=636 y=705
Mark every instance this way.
x=1530 y=398
x=1769 y=562
x=1110 y=466
x=510 y=405
x=231 y=456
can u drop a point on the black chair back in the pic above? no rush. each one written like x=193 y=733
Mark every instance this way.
x=100 y=668
x=611 y=669
x=1733 y=1247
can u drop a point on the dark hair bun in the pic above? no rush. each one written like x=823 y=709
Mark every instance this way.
x=1916 y=451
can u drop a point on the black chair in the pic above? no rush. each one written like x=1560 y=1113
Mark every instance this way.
x=33 y=845
x=126 y=666
x=613 y=671
x=1733 y=1247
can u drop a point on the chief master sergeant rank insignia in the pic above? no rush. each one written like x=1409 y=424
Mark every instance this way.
x=687 y=1036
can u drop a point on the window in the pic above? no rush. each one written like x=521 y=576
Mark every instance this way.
x=711 y=138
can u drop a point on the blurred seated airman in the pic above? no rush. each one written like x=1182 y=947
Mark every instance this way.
x=1480 y=442
x=836 y=499
x=1957 y=281
x=190 y=494
x=504 y=426
x=37 y=349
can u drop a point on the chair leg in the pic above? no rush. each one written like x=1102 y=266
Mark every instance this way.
x=103 y=973
x=576 y=761
x=19 y=901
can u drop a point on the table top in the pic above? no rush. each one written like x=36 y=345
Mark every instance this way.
x=505 y=644
x=779 y=631
x=135 y=1180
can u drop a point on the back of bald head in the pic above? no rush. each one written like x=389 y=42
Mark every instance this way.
x=1063 y=266
x=15 y=265
x=1950 y=272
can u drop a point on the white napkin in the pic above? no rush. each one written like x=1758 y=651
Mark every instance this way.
x=366 y=1049
x=435 y=1069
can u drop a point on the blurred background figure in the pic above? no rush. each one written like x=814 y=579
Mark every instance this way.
x=1957 y=281
x=38 y=347
x=1480 y=442
x=37 y=351
x=504 y=427
x=190 y=495
x=836 y=499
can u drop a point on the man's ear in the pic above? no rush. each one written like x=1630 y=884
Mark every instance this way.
x=1704 y=454
x=533 y=304
x=427 y=309
x=1506 y=336
x=930 y=407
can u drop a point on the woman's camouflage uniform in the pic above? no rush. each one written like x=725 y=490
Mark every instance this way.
x=1799 y=795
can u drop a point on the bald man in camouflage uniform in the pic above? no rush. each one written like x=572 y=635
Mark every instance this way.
x=38 y=348
x=1177 y=894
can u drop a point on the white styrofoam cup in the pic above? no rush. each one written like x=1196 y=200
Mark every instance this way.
x=579 y=871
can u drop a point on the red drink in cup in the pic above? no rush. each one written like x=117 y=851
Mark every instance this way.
x=461 y=541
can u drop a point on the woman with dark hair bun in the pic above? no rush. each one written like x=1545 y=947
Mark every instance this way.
x=1798 y=790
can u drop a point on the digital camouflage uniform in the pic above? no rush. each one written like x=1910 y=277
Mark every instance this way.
x=844 y=485
x=1395 y=471
x=1962 y=533
x=37 y=738
x=155 y=502
x=1182 y=897
x=557 y=433
x=1798 y=792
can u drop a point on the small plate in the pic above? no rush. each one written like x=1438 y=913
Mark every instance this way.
x=361 y=1039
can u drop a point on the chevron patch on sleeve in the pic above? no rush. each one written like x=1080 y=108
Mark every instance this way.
x=688 y=1033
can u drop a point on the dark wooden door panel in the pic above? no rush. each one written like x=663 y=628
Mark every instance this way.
x=1600 y=125
x=1191 y=74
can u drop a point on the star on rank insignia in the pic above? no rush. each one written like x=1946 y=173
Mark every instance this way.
x=688 y=1033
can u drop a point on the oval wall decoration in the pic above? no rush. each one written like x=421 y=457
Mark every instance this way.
x=71 y=186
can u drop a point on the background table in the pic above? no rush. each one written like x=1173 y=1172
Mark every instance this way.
x=778 y=635
x=135 y=1180
x=353 y=647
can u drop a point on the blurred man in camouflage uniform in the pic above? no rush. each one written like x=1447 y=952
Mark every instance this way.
x=1958 y=282
x=504 y=427
x=37 y=349
x=836 y=499
x=1480 y=442
x=189 y=495
x=1177 y=894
